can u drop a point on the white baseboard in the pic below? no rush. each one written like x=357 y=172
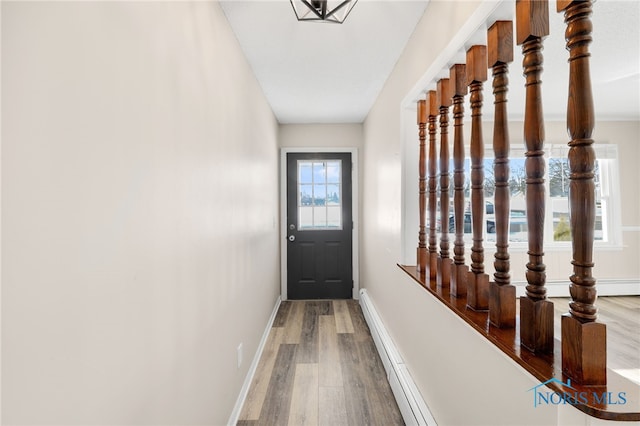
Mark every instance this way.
x=412 y=406
x=235 y=414
x=604 y=287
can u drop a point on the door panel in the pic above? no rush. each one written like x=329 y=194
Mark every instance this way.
x=319 y=226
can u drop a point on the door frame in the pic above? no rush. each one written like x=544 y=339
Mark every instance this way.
x=283 y=213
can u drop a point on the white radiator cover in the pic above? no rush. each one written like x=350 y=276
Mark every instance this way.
x=412 y=406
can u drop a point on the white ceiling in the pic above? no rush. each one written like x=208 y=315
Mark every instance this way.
x=331 y=73
x=319 y=72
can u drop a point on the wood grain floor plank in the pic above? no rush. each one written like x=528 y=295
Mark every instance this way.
x=258 y=389
x=360 y=327
x=329 y=356
x=294 y=323
x=309 y=339
x=343 y=318
x=621 y=314
x=365 y=397
x=365 y=363
x=630 y=303
x=283 y=313
x=275 y=409
x=356 y=399
x=304 y=401
x=385 y=410
x=332 y=410
x=362 y=397
x=321 y=307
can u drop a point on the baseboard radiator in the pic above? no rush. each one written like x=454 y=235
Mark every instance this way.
x=412 y=406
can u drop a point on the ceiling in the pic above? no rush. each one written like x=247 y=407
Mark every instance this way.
x=331 y=73
x=319 y=72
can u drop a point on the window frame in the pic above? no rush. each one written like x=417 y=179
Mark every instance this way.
x=606 y=154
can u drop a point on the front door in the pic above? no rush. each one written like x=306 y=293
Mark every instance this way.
x=319 y=226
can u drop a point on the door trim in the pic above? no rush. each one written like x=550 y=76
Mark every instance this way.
x=283 y=214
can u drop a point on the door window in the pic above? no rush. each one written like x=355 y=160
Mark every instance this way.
x=319 y=195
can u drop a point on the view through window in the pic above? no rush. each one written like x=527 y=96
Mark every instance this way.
x=319 y=194
x=557 y=227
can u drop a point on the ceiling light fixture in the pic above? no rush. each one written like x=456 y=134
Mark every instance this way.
x=335 y=11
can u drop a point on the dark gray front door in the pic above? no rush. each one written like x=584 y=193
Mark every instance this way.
x=319 y=226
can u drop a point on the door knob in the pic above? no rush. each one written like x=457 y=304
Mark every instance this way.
x=292 y=237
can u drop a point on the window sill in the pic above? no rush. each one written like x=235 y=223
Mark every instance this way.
x=542 y=367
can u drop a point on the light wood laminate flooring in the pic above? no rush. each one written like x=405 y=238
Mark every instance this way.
x=320 y=367
x=621 y=314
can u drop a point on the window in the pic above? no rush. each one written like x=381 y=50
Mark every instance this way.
x=557 y=226
x=607 y=229
x=319 y=194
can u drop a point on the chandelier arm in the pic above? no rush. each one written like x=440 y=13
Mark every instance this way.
x=337 y=8
x=319 y=10
x=310 y=7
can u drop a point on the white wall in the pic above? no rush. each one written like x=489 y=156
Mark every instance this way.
x=463 y=378
x=320 y=135
x=139 y=221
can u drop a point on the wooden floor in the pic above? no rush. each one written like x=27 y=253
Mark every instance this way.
x=621 y=314
x=320 y=367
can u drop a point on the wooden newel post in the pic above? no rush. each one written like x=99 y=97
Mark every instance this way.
x=433 y=171
x=502 y=295
x=477 y=280
x=536 y=312
x=422 y=253
x=458 y=85
x=584 y=343
x=444 y=261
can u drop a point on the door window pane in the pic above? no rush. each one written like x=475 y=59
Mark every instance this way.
x=319 y=172
x=320 y=194
x=305 y=217
x=306 y=195
x=333 y=171
x=333 y=195
x=320 y=217
x=334 y=214
x=304 y=173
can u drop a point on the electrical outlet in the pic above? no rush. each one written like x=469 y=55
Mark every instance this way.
x=239 y=355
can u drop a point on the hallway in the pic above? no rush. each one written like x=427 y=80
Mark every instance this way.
x=142 y=223
x=338 y=377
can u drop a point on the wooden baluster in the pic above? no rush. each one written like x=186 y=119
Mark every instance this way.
x=584 y=343
x=433 y=171
x=444 y=261
x=536 y=312
x=502 y=299
x=477 y=280
x=422 y=233
x=458 y=85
